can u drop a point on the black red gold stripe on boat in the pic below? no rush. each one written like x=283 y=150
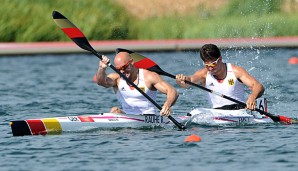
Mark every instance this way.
x=20 y=128
x=52 y=126
x=36 y=127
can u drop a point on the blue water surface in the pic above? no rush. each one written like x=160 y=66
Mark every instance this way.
x=61 y=85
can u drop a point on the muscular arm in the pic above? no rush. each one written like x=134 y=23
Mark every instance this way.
x=197 y=77
x=106 y=80
x=167 y=89
x=257 y=88
x=154 y=81
x=101 y=76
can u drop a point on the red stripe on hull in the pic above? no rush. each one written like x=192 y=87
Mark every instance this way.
x=85 y=119
x=37 y=127
x=73 y=32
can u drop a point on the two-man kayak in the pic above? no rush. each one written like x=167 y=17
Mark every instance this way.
x=201 y=116
x=57 y=125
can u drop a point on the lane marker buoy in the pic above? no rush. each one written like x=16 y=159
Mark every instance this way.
x=293 y=60
x=193 y=138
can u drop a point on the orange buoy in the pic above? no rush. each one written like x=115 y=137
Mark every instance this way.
x=94 y=79
x=193 y=138
x=293 y=60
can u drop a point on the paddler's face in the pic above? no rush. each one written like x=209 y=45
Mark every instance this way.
x=126 y=68
x=124 y=64
x=212 y=66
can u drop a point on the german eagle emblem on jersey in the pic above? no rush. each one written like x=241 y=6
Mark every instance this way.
x=231 y=82
x=142 y=88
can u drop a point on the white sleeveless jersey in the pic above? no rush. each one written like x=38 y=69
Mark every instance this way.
x=132 y=101
x=230 y=87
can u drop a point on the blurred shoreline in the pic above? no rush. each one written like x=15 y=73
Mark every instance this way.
x=19 y=49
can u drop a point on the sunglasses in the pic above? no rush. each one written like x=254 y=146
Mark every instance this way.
x=123 y=68
x=212 y=64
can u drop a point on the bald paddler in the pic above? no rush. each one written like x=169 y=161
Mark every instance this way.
x=131 y=100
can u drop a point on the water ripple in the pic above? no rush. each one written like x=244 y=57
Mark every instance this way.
x=61 y=85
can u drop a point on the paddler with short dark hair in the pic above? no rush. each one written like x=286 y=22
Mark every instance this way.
x=131 y=100
x=225 y=78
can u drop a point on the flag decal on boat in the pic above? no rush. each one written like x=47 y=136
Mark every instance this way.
x=52 y=126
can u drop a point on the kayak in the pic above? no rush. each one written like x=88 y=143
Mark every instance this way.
x=199 y=116
x=57 y=125
x=204 y=116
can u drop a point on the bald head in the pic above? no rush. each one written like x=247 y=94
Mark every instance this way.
x=121 y=59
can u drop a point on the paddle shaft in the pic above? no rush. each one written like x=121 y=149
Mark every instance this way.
x=80 y=39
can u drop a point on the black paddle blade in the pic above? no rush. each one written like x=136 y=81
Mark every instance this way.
x=118 y=50
x=72 y=31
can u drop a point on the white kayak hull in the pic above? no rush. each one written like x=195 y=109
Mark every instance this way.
x=57 y=125
x=82 y=123
x=205 y=116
